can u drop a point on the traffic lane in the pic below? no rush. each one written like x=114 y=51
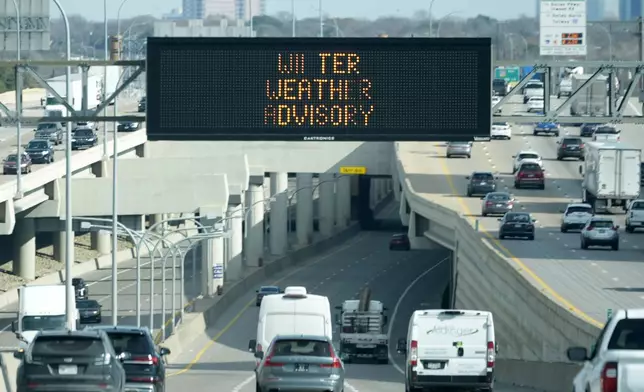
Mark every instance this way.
x=415 y=297
x=224 y=360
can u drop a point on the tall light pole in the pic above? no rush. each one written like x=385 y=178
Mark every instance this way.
x=293 y=18
x=431 y=5
x=107 y=57
x=321 y=18
x=18 y=106
x=440 y=22
x=69 y=236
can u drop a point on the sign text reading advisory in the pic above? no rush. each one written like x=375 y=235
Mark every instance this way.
x=362 y=89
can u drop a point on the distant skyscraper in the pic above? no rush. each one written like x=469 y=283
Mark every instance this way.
x=630 y=9
x=232 y=9
x=594 y=9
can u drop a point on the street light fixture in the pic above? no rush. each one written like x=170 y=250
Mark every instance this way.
x=440 y=22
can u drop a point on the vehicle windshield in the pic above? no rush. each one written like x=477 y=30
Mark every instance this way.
x=498 y=82
x=501 y=124
x=482 y=177
x=517 y=218
x=133 y=343
x=628 y=335
x=11 y=158
x=528 y=156
x=68 y=345
x=302 y=347
x=606 y=130
x=498 y=196
x=638 y=205
x=534 y=85
x=43 y=323
x=601 y=224
x=46 y=126
x=530 y=167
x=89 y=304
x=37 y=145
x=269 y=289
x=571 y=141
x=83 y=132
x=76 y=282
x=574 y=209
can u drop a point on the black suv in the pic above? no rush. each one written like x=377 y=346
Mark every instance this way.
x=70 y=361
x=80 y=288
x=480 y=183
x=570 y=147
x=144 y=365
x=84 y=138
x=40 y=151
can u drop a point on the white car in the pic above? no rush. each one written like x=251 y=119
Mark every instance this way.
x=576 y=216
x=635 y=215
x=532 y=156
x=495 y=100
x=535 y=104
x=606 y=133
x=87 y=124
x=501 y=130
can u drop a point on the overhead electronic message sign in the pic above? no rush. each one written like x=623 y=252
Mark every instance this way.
x=319 y=89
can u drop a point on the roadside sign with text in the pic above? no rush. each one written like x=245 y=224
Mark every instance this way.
x=562 y=28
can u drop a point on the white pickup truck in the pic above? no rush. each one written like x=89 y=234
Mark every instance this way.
x=362 y=335
x=635 y=215
x=616 y=361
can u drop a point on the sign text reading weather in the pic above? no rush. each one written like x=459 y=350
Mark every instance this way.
x=326 y=90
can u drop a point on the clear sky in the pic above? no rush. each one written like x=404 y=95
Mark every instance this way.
x=500 y=9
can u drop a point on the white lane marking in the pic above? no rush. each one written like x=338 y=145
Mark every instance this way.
x=250 y=379
x=395 y=313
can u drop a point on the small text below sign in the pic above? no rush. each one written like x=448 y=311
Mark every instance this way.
x=353 y=170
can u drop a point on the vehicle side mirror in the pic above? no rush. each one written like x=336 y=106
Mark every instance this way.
x=14 y=326
x=483 y=198
x=617 y=227
x=251 y=345
x=124 y=356
x=19 y=354
x=401 y=346
x=467 y=177
x=514 y=156
x=499 y=219
x=164 y=351
x=577 y=354
x=259 y=355
x=534 y=221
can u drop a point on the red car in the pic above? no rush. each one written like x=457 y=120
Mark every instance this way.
x=399 y=242
x=530 y=174
x=10 y=164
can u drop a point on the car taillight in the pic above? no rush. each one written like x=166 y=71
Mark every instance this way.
x=489 y=203
x=336 y=361
x=490 y=354
x=521 y=174
x=564 y=146
x=609 y=377
x=590 y=228
x=413 y=354
x=538 y=174
x=269 y=362
x=614 y=228
x=148 y=359
x=582 y=145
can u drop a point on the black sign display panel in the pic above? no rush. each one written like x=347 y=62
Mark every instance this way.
x=319 y=89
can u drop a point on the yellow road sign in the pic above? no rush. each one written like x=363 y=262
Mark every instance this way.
x=353 y=170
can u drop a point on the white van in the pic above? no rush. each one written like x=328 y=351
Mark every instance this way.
x=449 y=348
x=293 y=312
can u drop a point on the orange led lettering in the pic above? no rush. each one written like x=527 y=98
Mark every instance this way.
x=366 y=86
x=269 y=115
x=337 y=63
x=291 y=63
x=366 y=113
x=288 y=89
x=335 y=89
x=321 y=83
x=283 y=115
x=300 y=120
x=352 y=63
x=304 y=90
x=349 y=113
x=323 y=57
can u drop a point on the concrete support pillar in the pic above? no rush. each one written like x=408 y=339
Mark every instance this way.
x=213 y=271
x=60 y=247
x=101 y=242
x=154 y=219
x=327 y=203
x=24 y=248
x=373 y=194
x=254 y=247
x=236 y=241
x=304 y=208
x=278 y=240
x=342 y=201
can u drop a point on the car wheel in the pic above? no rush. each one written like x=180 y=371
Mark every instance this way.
x=448 y=156
x=469 y=156
x=557 y=134
x=559 y=158
x=564 y=229
x=584 y=245
x=615 y=245
x=517 y=185
x=484 y=213
x=629 y=229
x=383 y=361
x=542 y=186
x=501 y=236
x=531 y=238
x=408 y=247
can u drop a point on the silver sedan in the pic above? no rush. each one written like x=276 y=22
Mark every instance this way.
x=497 y=203
x=300 y=363
x=459 y=149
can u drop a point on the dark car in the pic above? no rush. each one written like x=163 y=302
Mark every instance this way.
x=64 y=361
x=264 y=291
x=588 y=129
x=642 y=174
x=80 y=288
x=530 y=175
x=500 y=87
x=83 y=138
x=144 y=364
x=497 y=203
x=50 y=131
x=399 y=242
x=90 y=311
x=128 y=126
x=143 y=105
x=10 y=164
x=517 y=224
x=40 y=151
x=570 y=147
x=481 y=183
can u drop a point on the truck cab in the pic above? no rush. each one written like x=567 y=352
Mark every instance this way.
x=362 y=324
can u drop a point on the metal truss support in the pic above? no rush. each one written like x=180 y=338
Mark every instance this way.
x=85 y=114
x=616 y=108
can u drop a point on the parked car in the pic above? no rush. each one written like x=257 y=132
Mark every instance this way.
x=497 y=203
x=399 y=242
x=517 y=224
x=10 y=164
x=70 y=361
x=40 y=151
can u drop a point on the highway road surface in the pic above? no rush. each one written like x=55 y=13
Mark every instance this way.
x=589 y=282
x=404 y=281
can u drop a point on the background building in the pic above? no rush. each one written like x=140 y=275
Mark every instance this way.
x=630 y=9
x=197 y=28
x=231 y=9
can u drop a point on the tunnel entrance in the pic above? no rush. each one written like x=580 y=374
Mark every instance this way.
x=381 y=217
